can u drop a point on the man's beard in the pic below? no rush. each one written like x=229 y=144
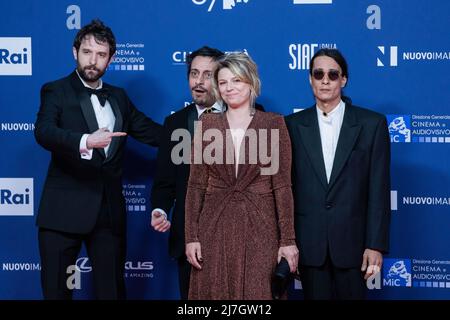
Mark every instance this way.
x=83 y=72
x=205 y=101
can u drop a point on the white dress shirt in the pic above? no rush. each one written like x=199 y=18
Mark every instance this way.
x=105 y=119
x=216 y=108
x=330 y=126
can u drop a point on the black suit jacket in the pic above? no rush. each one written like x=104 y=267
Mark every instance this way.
x=352 y=211
x=74 y=187
x=170 y=185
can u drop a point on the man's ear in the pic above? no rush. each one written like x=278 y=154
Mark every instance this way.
x=75 y=53
x=343 y=82
x=111 y=60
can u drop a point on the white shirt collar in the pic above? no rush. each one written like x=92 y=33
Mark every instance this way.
x=336 y=113
x=217 y=107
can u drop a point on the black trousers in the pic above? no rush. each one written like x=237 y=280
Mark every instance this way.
x=328 y=282
x=184 y=276
x=106 y=251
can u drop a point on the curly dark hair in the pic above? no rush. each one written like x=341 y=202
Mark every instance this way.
x=101 y=33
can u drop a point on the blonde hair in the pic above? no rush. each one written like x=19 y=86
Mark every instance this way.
x=242 y=66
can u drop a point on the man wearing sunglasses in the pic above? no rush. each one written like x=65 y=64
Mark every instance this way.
x=341 y=184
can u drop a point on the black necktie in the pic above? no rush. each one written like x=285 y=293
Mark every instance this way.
x=206 y=111
x=102 y=94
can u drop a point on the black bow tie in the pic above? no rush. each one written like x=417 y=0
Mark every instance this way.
x=102 y=94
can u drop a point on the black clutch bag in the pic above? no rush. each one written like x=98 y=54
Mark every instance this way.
x=281 y=279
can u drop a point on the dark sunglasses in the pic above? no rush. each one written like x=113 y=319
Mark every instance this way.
x=318 y=74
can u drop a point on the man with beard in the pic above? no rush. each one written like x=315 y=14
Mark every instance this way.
x=84 y=122
x=170 y=185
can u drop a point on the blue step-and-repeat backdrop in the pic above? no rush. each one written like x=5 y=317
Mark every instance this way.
x=398 y=52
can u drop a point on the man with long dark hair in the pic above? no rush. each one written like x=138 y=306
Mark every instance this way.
x=341 y=184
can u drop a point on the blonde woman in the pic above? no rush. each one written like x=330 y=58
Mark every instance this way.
x=239 y=213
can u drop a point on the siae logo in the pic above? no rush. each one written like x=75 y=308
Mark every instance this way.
x=226 y=4
x=15 y=57
x=301 y=53
x=16 y=196
x=393 y=56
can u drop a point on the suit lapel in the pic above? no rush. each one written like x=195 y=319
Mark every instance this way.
x=310 y=136
x=86 y=106
x=347 y=137
x=118 y=124
x=192 y=116
x=88 y=111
